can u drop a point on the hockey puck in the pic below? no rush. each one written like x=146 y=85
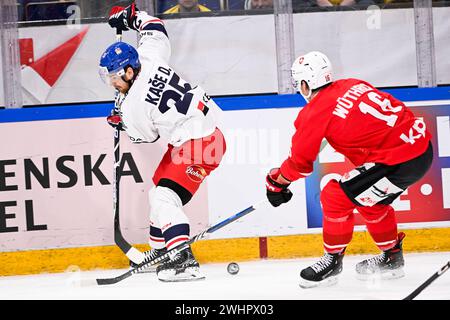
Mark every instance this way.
x=233 y=268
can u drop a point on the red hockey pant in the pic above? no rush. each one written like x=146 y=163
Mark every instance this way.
x=338 y=220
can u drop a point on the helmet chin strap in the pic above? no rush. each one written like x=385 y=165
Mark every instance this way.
x=306 y=97
x=131 y=81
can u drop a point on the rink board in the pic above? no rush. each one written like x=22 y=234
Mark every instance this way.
x=56 y=193
x=212 y=251
x=235 y=55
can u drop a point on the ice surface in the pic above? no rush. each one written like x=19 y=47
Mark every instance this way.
x=256 y=280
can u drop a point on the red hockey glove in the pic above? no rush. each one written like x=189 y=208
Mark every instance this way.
x=115 y=120
x=122 y=18
x=277 y=193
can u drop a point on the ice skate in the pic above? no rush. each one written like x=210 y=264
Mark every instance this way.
x=323 y=273
x=149 y=255
x=182 y=267
x=387 y=265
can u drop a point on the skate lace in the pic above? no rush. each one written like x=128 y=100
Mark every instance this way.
x=324 y=262
x=178 y=260
x=377 y=260
x=151 y=254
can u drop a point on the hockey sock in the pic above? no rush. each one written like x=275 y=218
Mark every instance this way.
x=338 y=218
x=156 y=239
x=176 y=235
x=381 y=224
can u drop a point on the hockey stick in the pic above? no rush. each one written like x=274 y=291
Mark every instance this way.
x=174 y=251
x=132 y=253
x=424 y=285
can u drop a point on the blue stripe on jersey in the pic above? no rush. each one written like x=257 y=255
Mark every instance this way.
x=157 y=27
x=177 y=230
x=155 y=232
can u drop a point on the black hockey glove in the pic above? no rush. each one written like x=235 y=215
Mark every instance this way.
x=122 y=18
x=277 y=193
x=115 y=120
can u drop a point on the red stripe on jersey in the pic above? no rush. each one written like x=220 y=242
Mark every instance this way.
x=177 y=240
x=151 y=21
x=156 y=239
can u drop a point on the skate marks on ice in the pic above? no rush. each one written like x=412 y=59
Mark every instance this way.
x=264 y=279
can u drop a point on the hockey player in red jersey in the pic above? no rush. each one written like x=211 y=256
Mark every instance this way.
x=389 y=146
x=154 y=102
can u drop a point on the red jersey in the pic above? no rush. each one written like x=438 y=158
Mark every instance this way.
x=359 y=121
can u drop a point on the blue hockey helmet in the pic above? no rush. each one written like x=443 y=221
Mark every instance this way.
x=115 y=59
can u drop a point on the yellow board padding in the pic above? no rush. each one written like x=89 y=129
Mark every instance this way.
x=226 y=250
x=210 y=251
x=61 y=260
x=309 y=245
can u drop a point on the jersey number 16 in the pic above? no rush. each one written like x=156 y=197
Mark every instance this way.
x=384 y=105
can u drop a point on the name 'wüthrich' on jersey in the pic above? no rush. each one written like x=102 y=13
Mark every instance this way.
x=359 y=121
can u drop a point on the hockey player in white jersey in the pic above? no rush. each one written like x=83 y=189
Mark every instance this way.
x=154 y=102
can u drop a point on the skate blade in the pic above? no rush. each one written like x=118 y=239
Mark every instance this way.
x=185 y=279
x=385 y=275
x=150 y=269
x=328 y=282
x=187 y=275
x=182 y=277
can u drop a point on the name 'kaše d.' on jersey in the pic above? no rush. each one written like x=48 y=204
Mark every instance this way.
x=154 y=102
x=160 y=103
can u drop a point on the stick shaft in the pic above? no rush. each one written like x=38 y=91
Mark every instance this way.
x=424 y=285
x=132 y=253
x=174 y=251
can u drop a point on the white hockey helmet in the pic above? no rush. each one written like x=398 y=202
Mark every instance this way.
x=314 y=68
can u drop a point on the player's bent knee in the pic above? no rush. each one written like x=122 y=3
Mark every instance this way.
x=166 y=207
x=335 y=203
x=330 y=189
x=184 y=194
x=331 y=193
x=159 y=196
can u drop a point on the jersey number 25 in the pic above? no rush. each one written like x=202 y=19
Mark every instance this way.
x=178 y=93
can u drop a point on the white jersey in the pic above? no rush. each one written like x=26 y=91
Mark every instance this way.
x=160 y=103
